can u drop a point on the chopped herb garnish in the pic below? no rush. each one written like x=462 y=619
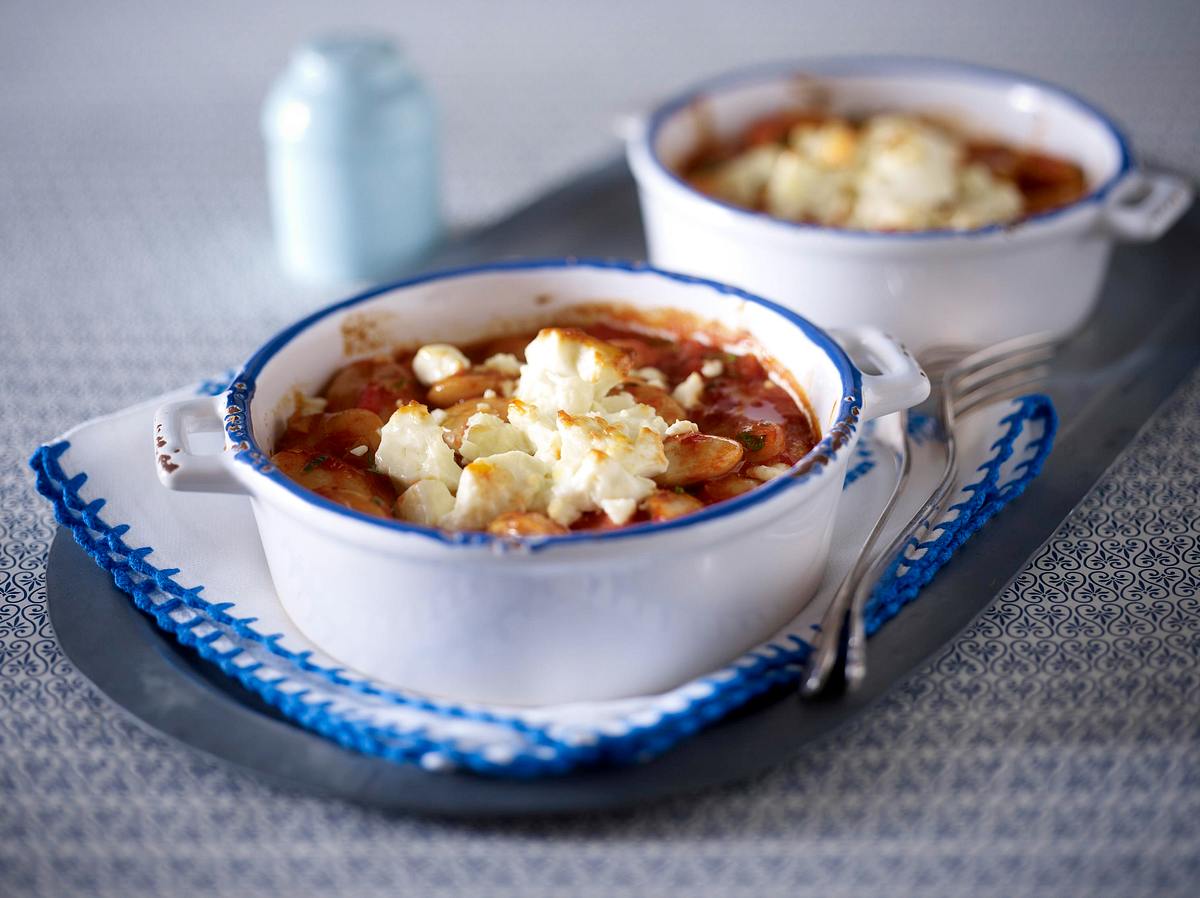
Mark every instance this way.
x=379 y=502
x=730 y=358
x=680 y=490
x=752 y=441
x=399 y=383
x=315 y=462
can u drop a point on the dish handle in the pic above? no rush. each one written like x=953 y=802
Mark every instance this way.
x=178 y=466
x=900 y=383
x=1145 y=205
x=630 y=127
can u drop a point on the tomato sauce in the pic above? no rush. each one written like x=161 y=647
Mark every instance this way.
x=331 y=451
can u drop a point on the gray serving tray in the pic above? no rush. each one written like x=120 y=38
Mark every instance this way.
x=1144 y=339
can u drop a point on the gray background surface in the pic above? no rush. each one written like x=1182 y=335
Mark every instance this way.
x=1054 y=749
x=528 y=90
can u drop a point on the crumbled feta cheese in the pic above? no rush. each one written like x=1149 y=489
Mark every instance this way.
x=619 y=511
x=510 y=481
x=569 y=370
x=830 y=145
x=768 y=472
x=487 y=434
x=680 y=427
x=894 y=172
x=596 y=481
x=606 y=462
x=617 y=402
x=505 y=363
x=633 y=437
x=426 y=502
x=437 y=361
x=489 y=393
x=801 y=190
x=600 y=460
x=984 y=199
x=689 y=391
x=411 y=448
x=438 y=415
x=712 y=368
x=652 y=376
x=741 y=180
x=359 y=451
x=910 y=172
x=541 y=430
x=568 y=447
x=634 y=419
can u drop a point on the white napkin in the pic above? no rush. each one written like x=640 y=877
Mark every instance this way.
x=194 y=563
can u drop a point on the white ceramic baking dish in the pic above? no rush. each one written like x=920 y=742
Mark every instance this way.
x=470 y=616
x=928 y=288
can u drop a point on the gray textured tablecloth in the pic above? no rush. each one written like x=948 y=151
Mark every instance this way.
x=1053 y=749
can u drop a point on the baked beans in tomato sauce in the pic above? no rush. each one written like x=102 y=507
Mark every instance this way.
x=835 y=148
x=750 y=427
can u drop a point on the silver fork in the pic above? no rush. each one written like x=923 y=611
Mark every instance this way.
x=963 y=380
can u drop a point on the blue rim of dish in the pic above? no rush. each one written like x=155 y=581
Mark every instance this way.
x=832 y=66
x=241 y=392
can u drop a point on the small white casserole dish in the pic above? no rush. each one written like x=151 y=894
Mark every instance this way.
x=973 y=287
x=590 y=615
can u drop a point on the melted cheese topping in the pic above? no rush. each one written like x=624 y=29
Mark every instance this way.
x=688 y=392
x=437 y=361
x=487 y=435
x=570 y=445
x=895 y=172
x=411 y=448
x=567 y=369
x=742 y=178
x=504 y=362
x=426 y=502
x=511 y=481
x=605 y=461
x=602 y=449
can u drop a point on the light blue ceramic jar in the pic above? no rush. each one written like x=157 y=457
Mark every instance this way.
x=352 y=161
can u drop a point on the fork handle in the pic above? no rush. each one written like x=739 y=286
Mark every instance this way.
x=842 y=623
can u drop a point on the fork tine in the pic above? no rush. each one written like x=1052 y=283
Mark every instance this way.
x=954 y=369
x=967 y=378
x=1007 y=388
x=993 y=380
x=1007 y=353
